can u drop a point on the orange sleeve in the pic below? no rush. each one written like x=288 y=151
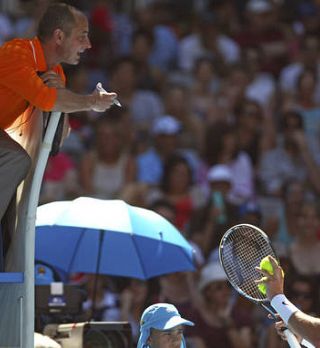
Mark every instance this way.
x=18 y=73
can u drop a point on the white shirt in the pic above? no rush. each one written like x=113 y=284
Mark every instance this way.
x=191 y=48
x=261 y=89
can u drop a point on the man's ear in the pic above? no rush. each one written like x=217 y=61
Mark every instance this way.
x=59 y=36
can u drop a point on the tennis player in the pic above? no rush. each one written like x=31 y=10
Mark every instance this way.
x=306 y=327
x=161 y=326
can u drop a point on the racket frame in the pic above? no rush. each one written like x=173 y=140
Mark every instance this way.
x=291 y=338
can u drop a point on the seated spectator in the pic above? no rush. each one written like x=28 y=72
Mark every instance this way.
x=261 y=86
x=308 y=58
x=108 y=167
x=144 y=105
x=208 y=41
x=133 y=300
x=287 y=212
x=164 y=50
x=60 y=181
x=227 y=15
x=209 y=223
x=101 y=26
x=150 y=163
x=177 y=104
x=261 y=30
x=221 y=321
x=303 y=101
x=204 y=85
x=304 y=251
x=221 y=147
x=254 y=129
x=178 y=188
x=232 y=91
x=148 y=77
x=290 y=160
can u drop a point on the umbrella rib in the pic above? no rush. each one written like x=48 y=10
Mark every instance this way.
x=75 y=249
x=184 y=253
x=138 y=253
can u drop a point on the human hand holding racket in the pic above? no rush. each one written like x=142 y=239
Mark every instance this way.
x=273 y=282
x=241 y=250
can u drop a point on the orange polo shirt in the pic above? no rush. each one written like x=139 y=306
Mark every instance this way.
x=20 y=85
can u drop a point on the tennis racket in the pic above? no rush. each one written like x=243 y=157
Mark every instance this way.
x=241 y=250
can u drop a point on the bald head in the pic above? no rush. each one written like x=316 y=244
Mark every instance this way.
x=57 y=16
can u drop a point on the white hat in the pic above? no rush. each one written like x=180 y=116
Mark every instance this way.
x=166 y=125
x=258 y=6
x=212 y=272
x=219 y=172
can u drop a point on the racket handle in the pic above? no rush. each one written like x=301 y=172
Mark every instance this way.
x=291 y=339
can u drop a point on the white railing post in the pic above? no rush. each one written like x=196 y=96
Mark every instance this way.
x=29 y=302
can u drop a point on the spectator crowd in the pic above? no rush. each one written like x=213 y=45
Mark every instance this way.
x=219 y=125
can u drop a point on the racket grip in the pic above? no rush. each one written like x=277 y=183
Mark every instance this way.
x=291 y=339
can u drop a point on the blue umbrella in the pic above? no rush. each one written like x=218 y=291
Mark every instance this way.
x=109 y=237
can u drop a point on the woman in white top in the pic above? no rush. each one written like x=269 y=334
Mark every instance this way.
x=108 y=167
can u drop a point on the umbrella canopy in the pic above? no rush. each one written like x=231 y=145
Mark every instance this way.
x=109 y=237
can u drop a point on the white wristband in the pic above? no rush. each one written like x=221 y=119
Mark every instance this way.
x=307 y=344
x=283 y=307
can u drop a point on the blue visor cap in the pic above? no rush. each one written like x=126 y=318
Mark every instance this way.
x=160 y=316
x=163 y=316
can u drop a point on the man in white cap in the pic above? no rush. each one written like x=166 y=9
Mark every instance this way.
x=161 y=326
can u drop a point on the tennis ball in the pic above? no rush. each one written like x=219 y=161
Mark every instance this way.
x=265 y=265
x=262 y=288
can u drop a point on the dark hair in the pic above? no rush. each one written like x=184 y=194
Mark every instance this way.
x=284 y=121
x=148 y=35
x=303 y=74
x=169 y=165
x=214 y=139
x=117 y=63
x=202 y=60
x=241 y=106
x=162 y=203
x=57 y=16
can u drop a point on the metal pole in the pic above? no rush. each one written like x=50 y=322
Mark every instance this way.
x=28 y=313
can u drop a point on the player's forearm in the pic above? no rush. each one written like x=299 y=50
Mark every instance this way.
x=306 y=326
x=68 y=101
x=300 y=323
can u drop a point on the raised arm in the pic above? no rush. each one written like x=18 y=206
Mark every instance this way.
x=300 y=323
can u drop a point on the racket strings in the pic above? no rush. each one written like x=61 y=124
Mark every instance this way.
x=242 y=251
